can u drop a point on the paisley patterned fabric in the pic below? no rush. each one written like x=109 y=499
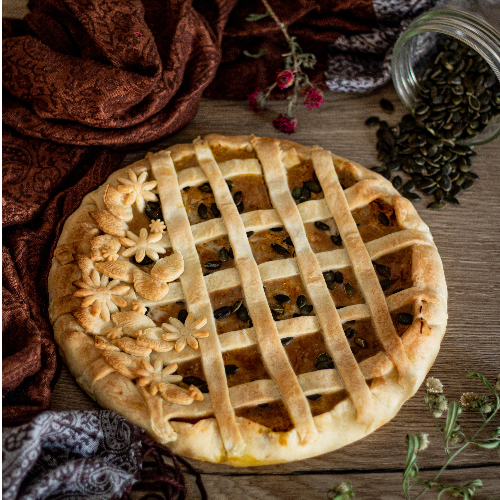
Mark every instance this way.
x=71 y=455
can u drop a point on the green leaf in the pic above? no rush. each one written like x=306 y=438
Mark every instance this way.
x=450 y=427
x=411 y=467
x=257 y=17
x=254 y=56
x=487 y=445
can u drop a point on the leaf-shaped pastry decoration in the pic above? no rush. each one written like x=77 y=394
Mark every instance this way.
x=130 y=346
x=90 y=323
x=151 y=338
x=114 y=201
x=123 y=363
x=64 y=253
x=84 y=263
x=168 y=268
x=130 y=321
x=150 y=288
x=122 y=270
x=175 y=394
x=109 y=224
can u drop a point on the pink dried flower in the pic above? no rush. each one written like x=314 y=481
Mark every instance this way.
x=285 y=79
x=285 y=124
x=313 y=98
x=256 y=101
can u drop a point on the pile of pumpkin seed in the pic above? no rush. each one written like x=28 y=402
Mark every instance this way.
x=459 y=95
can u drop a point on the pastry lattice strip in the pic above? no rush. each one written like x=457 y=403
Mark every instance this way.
x=304 y=325
x=362 y=193
x=286 y=268
x=362 y=265
x=272 y=351
x=197 y=297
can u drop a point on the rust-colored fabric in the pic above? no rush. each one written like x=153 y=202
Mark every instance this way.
x=85 y=81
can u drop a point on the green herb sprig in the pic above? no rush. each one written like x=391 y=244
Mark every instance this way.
x=455 y=441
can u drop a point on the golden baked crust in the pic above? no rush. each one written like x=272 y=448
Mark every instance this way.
x=116 y=274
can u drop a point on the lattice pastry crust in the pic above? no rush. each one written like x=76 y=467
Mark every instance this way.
x=116 y=273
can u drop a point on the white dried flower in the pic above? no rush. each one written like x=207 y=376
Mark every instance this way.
x=437 y=413
x=137 y=190
x=434 y=386
x=343 y=488
x=157 y=226
x=468 y=399
x=487 y=408
x=423 y=440
x=142 y=245
x=442 y=405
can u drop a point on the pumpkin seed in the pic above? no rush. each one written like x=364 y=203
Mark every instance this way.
x=297 y=193
x=397 y=182
x=276 y=229
x=361 y=342
x=329 y=276
x=331 y=285
x=222 y=312
x=288 y=241
x=314 y=397
x=153 y=210
x=238 y=196
x=282 y=298
x=384 y=271
x=242 y=313
x=146 y=261
x=215 y=211
x=250 y=234
x=383 y=219
x=321 y=226
x=324 y=360
x=279 y=249
x=223 y=254
x=230 y=369
x=237 y=305
x=277 y=309
x=182 y=315
x=305 y=193
x=192 y=380
x=314 y=187
x=386 y=105
x=213 y=264
x=286 y=340
x=339 y=277
x=305 y=310
x=203 y=211
x=230 y=185
x=336 y=239
x=301 y=301
x=240 y=207
x=349 y=289
x=203 y=388
x=386 y=284
x=372 y=121
x=205 y=188
x=436 y=205
x=405 y=318
x=350 y=332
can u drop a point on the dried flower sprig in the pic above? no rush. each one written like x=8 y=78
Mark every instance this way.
x=292 y=76
x=488 y=405
x=342 y=491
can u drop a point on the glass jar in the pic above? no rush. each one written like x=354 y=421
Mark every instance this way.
x=474 y=22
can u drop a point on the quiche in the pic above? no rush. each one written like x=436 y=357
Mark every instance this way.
x=248 y=300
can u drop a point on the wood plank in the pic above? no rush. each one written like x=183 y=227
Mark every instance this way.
x=376 y=486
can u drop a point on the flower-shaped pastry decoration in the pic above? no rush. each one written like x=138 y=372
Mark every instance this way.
x=142 y=245
x=157 y=226
x=138 y=306
x=100 y=294
x=152 y=375
x=186 y=333
x=114 y=333
x=137 y=190
x=104 y=247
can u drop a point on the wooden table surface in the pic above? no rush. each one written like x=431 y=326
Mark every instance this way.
x=468 y=239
